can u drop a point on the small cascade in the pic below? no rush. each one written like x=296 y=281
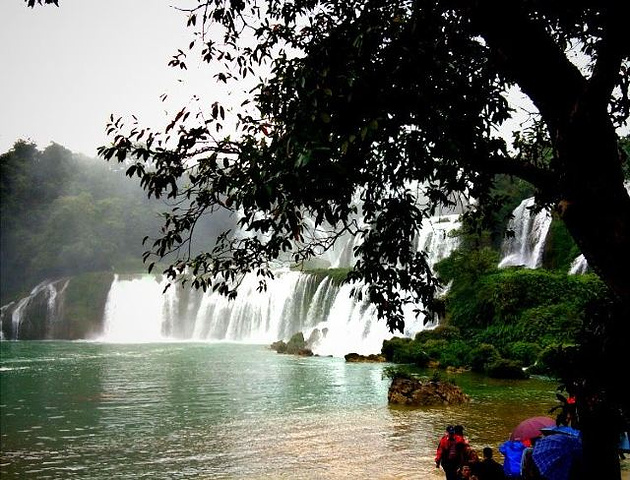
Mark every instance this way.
x=34 y=316
x=525 y=248
x=578 y=266
x=436 y=237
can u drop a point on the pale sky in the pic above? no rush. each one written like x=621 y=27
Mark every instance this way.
x=65 y=70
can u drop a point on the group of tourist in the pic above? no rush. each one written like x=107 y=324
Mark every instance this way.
x=460 y=461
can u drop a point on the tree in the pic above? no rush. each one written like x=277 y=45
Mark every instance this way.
x=382 y=101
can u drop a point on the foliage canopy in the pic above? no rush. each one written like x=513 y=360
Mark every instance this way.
x=393 y=106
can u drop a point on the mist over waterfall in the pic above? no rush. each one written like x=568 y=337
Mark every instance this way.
x=136 y=309
x=331 y=321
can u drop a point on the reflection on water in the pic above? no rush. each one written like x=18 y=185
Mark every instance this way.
x=227 y=411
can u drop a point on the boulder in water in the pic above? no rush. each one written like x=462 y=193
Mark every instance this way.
x=372 y=358
x=414 y=392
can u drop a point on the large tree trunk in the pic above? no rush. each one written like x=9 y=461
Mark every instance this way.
x=595 y=207
x=591 y=199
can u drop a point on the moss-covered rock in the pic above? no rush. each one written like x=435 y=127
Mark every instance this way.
x=83 y=306
x=357 y=358
x=295 y=346
x=414 y=392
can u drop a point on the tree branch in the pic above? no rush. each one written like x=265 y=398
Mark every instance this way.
x=528 y=55
x=611 y=51
x=540 y=178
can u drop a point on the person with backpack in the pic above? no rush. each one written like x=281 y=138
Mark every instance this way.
x=449 y=454
x=489 y=468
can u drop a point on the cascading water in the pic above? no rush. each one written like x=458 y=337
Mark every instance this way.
x=36 y=313
x=578 y=266
x=525 y=248
x=137 y=311
x=134 y=311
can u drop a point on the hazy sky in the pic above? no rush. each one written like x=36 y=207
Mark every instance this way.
x=64 y=70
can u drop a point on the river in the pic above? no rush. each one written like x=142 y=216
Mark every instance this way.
x=85 y=410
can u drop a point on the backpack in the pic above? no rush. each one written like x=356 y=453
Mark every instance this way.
x=452 y=453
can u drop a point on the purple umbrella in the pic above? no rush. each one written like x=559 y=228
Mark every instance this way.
x=555 y=455
x=530 y=428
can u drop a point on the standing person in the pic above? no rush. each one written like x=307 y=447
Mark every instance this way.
x=471 y=458
x=512 y=451
x=448 y=454
x=489 y=468
x=529 y=470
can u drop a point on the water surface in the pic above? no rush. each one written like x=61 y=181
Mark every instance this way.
x=73 y=410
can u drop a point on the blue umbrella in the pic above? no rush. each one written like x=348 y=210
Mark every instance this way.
x=555 y=455
x=562 y=429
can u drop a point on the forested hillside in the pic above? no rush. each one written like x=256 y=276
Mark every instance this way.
x=65 y=214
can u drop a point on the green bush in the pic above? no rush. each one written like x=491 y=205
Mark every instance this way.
x=551 y=323
x=500 y=335
x=455 y=354
x=466 y=269
x=504 y=368
x=411 y=352
x=555 y=359
x=560 y=248
x=524 y=352
x=391 y=346
x=434 y=348
x=441 y=332
x=482 y=356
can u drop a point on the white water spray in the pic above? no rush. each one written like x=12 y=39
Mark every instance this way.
x=137 y=311
x=526 y=247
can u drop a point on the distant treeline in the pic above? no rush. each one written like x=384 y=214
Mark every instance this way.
x=65 y=214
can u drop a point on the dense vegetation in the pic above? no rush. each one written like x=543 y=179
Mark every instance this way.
x=504 y=322
x=501 y=321
x=66 y=214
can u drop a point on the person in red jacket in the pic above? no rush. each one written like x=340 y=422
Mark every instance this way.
x=450 y=452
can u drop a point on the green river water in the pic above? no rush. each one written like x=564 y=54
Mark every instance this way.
x=78 y=410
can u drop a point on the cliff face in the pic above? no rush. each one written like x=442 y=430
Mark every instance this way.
x=413 y=392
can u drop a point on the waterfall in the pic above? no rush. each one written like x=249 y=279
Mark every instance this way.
x=137 y=309
x=46 y=293
x=134 y=311
x=578 y=266
x=530 y=232
x=436 y=237
x=336 y=324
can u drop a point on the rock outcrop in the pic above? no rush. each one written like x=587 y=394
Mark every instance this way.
x=413 y=392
